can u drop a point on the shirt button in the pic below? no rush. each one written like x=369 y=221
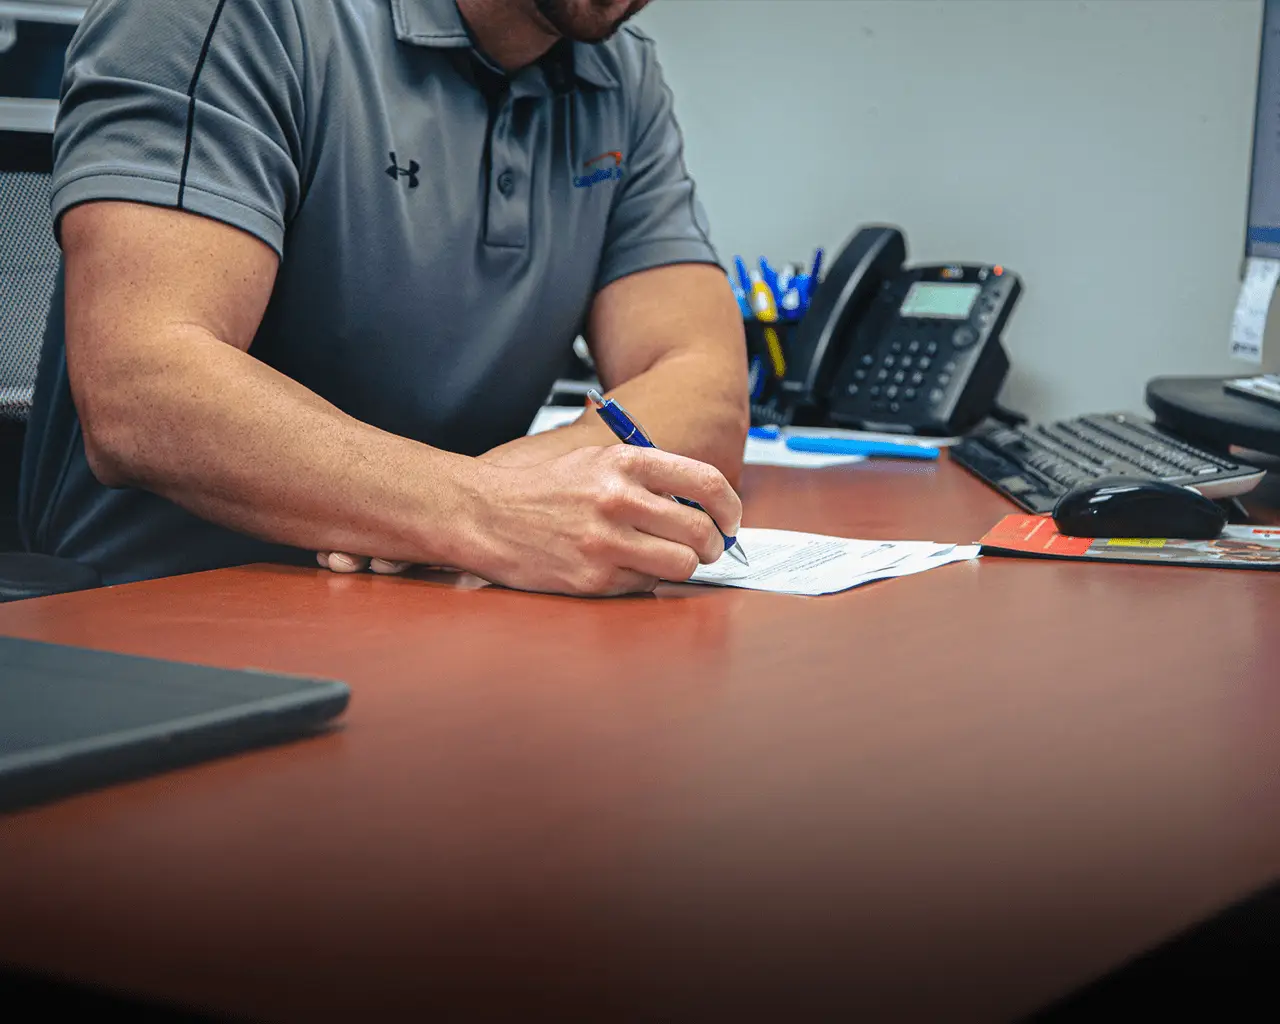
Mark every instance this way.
x=506 y=183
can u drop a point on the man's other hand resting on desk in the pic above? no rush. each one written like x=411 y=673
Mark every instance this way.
x=297 y=322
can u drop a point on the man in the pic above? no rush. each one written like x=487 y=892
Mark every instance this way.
x=323 y=262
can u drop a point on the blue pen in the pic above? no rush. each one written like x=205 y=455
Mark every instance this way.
x=628 y=431
x=771 y=279
x=852 y=446
x=744 y=303
x=744 y=279
x=803 y=285
x=817 y=267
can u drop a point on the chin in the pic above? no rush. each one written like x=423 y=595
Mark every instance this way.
x=588 y=21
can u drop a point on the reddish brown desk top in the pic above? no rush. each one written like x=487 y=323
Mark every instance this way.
x=951 y=797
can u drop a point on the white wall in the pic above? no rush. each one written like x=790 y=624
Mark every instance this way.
x=1099 y=148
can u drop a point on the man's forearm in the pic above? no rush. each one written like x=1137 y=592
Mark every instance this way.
x=235 y=442
x=688 y=404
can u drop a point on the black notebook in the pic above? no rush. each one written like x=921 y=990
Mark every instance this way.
x=73 y=719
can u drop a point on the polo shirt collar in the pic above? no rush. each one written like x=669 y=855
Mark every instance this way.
x=438 y=23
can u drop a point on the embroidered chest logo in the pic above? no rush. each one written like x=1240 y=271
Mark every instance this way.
x=395 y=172
x=602 y=168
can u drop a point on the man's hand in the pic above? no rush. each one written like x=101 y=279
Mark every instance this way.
x=600 y=521
x=594 y=522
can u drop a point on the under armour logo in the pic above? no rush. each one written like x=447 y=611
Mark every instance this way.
x=395 y=172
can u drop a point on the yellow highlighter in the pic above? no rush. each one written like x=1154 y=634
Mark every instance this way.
x=767 y=313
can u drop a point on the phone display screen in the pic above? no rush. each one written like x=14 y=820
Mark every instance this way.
x=950 y=301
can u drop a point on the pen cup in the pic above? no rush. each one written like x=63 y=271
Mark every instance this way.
x=769 y=347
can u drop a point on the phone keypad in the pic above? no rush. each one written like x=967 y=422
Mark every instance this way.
x=912 y=371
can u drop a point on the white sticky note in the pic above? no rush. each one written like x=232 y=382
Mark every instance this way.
x=1252 y=307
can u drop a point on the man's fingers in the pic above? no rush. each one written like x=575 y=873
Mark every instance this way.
x=653 y=557
x=627 y=582
x=670 y=521
x=385 y=568
x=338 y=562
x=664 y=473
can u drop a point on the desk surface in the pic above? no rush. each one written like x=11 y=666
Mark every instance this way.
x=955 y=796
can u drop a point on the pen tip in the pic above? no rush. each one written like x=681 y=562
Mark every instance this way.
x=739 y=554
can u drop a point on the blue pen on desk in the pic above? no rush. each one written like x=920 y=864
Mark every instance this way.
x=628 y=431
x=853 y=446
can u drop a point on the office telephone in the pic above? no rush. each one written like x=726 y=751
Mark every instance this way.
x=891 y=348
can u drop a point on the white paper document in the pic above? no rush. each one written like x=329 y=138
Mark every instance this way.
x=809 y=564
x=1250 y=320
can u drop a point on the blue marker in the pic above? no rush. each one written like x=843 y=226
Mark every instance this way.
x=744 y=279
x=771 y=279
x=804 y=289
x=628 y=431
x=852 y=446
x=792 y=304
x=744 y=303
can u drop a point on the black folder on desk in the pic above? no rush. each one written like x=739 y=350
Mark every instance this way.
x=73 y=719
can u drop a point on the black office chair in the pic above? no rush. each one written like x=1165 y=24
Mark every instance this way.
x=29 y=259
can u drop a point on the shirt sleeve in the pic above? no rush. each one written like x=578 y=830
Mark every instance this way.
x=657 y=218
x=189 y=104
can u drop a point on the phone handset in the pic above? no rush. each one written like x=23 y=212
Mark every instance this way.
x=873 y=254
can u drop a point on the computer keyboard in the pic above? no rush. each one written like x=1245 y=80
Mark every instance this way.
x=1034 y=465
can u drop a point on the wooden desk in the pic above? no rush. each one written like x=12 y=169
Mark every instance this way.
x=950 y=797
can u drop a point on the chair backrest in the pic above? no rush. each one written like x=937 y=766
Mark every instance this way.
x=33 y=39
x=29 y=259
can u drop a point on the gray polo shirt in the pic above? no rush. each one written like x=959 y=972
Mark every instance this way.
x=442 y=228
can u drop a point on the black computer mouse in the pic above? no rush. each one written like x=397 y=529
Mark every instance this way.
x=1129 y=507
